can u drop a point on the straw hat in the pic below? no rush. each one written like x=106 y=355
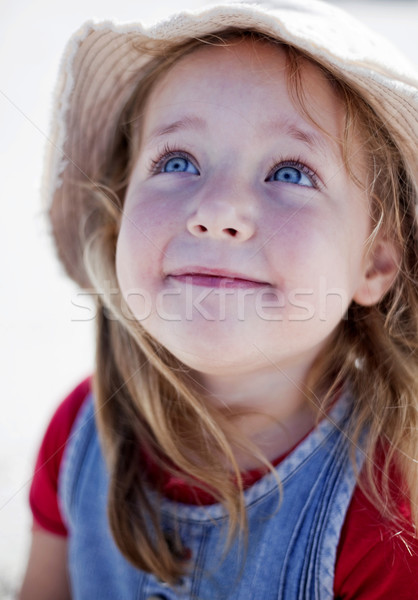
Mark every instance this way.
x=97 y=77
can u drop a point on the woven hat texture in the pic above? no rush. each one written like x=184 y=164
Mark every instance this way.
x=104 y=62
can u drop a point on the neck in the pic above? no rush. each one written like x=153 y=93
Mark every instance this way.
x=270 y=407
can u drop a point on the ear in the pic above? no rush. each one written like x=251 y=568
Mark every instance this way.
x=380 y=271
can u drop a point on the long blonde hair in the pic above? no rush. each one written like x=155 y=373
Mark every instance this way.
x=148 y=404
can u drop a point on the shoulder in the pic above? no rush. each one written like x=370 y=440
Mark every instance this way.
x=44 y=487
x=67 y=410
x=374 y=561
x=62 y=421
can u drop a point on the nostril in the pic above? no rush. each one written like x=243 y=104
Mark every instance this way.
x=231 y=231
x=202 y=228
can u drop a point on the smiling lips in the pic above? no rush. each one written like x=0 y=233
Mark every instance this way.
x=216 y=278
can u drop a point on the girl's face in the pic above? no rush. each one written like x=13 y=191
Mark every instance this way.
x=242 y=240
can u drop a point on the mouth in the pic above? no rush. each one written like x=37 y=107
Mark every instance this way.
x=216 y=278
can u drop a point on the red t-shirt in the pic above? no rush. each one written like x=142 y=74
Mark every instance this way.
x=372 y=563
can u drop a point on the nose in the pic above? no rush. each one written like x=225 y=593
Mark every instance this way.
x=222 y=219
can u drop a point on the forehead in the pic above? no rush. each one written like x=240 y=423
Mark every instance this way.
x=251 y=78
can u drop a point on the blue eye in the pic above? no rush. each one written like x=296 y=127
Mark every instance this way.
x=179 y=164
x=295 y=175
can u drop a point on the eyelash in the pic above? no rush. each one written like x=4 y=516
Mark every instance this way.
x=164 y=156
x=297 y=164
x=168 y=152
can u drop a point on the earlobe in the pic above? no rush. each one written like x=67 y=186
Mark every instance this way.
x=381 y=270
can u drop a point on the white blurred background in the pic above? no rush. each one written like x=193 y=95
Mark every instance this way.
x=45 y=351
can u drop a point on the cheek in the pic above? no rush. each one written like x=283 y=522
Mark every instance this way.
x=124 y=252
x=314 y=252
x=133 y=252
x=146 y=229
x=301 y=241
x=150 y=216
x=133 y=270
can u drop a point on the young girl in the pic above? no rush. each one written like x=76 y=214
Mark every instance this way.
x=238 y=188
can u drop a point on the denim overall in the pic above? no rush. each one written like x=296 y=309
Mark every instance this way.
x=291 y=550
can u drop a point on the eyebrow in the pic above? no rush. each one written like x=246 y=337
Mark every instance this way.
x=315 y=141
x=193 y=122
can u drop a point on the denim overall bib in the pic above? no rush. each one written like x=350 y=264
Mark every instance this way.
x=290 y=552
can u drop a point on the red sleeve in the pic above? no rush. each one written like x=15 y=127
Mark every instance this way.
x=43 y=493
x=373 y=562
